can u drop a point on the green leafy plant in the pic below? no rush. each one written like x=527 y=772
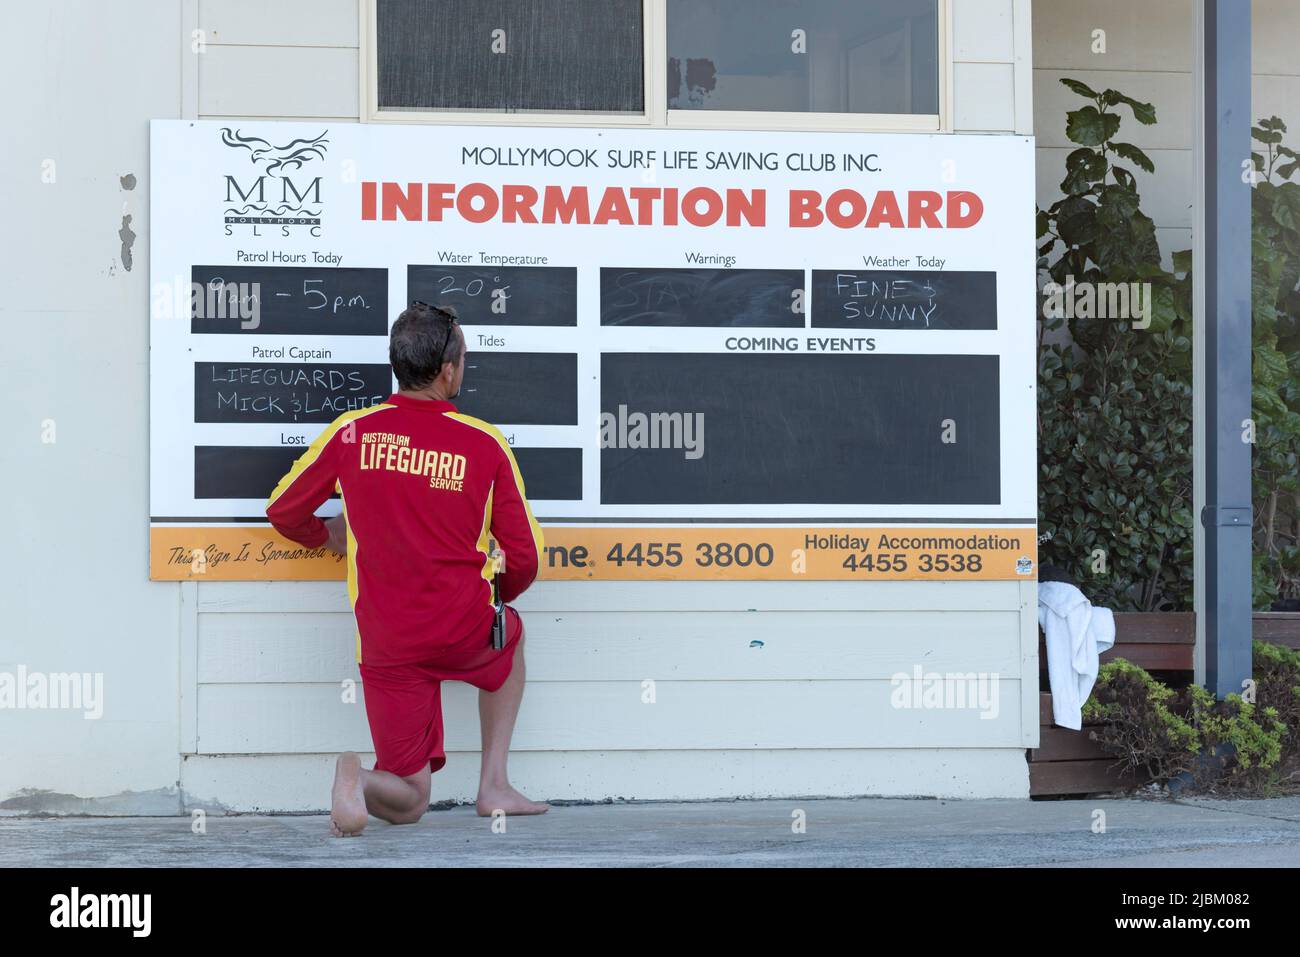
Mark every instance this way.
x=1233 y=745
x=1277 y=686
x=1275 y=396
x=1115 y=470
x=1241 y=744
x=1138 y=725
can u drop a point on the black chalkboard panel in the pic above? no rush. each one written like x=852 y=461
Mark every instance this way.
x=521 y=388
x=241 y=471
x=800 y=428
x=247 y=471
x=503 y=296
x=759 y=298
x=286 y=392
x=289 y=300
x=845 y=299
x=553 y=474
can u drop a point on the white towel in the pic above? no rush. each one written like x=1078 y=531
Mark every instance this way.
x=1077 y=634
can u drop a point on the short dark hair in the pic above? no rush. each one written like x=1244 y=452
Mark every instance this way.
x=422 y=332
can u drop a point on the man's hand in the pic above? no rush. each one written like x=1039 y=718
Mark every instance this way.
x=338 y=530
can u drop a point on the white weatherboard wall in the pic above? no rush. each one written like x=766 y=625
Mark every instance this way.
x=82 y=81
x=992 y=43
x=234 y=690
x=1149 y=56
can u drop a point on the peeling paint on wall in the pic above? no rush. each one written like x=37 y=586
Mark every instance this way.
x=127 y=235
x=127 y=181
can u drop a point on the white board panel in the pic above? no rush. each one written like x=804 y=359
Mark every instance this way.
x=1023 y=53
x=1142 y=35
x=603 y=646
x=1276 y=26
x=1278 y=96
x=651 y=596
x=985 y=96
x=270 y=783
x=284 y=23
x=982 y=31
x=285 y=647
x=256 y=81
x=253 y=719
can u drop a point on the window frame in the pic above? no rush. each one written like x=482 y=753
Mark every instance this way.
x=656 y=114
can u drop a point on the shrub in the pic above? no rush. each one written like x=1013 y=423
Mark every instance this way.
x=1241 y=743
x=1138 y=726
x=1275 y=396
x=1233 y=745
x=1277 y=686
x=1115 y=403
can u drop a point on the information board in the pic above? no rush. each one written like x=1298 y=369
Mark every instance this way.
x=716 y=355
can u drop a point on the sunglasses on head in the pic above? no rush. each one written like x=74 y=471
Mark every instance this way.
x=451 y=324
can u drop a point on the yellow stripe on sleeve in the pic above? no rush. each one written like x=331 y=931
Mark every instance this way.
x=304 y=461
x=483 y=541
x=354 y=588
x=538 y=541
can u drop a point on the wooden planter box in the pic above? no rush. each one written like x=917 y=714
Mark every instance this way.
x=1069 y=762
x=1278 y=627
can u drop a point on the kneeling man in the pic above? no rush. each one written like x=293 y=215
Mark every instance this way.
x=425 y=491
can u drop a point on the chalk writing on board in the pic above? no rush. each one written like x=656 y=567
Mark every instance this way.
x=286 y=300
x=521 y=388
x=727 y=298
x=285 y=392
x=904 y=300
x=500 y=295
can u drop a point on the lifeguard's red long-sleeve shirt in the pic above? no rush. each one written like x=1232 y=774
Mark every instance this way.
x=424 y=487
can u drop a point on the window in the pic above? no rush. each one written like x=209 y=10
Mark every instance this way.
x=510 y=56
x=749 y=64
x=804 y=56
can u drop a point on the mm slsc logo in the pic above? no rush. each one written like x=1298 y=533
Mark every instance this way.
x=276 y=191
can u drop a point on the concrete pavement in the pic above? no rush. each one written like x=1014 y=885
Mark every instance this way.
x=839 y=833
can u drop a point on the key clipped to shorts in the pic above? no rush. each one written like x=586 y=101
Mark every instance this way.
x=498 y=560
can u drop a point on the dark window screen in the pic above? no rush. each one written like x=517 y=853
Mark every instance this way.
x=562 y=56
x=798 y=56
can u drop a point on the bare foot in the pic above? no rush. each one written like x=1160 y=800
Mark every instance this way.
x=507 y=799
x=348 y=815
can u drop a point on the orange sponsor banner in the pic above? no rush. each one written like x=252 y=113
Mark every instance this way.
x=233 y=553
x=690 y=553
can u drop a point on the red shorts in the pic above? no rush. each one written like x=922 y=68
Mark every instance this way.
x=404 y=702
